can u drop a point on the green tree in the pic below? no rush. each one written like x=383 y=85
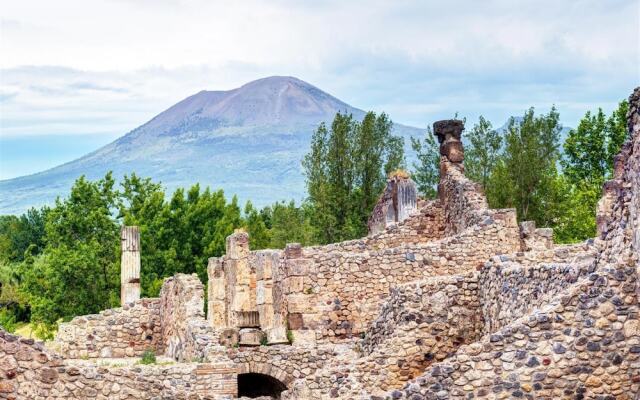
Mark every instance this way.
x=290 y=224
x=617 y=132
x=585 y=150
x=259 y=234
x=482 y=152
x=17 y=234
x=345 y=172
x=426 y=171
x=79 y=272
x=527 y=167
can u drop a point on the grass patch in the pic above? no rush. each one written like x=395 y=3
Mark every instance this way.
x=148 y=357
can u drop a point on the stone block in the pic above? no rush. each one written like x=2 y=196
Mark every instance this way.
x=299 y=303
x=304 y=338
x=294 y=284
x=229 y=337
x=264 y=292
x=295 y=321
x=251 y=337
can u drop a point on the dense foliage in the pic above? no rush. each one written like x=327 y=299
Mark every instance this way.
x=346 y=171
x=62 y=261
x=65 y=261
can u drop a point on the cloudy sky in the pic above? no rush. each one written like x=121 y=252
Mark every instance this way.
x=76 y=74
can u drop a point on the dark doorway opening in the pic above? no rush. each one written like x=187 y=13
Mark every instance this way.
x=255 y=385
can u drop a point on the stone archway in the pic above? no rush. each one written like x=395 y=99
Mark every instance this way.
x=259 y=379
x=254 y=385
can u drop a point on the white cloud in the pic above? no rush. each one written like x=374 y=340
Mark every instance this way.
x=118 y=63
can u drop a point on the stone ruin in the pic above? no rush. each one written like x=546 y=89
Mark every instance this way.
x=444 y=299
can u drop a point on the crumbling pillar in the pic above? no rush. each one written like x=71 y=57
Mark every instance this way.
x=217 y=300
x=398 y=201
x=449 y=134
x=302 y=317
x=269 y=298
x=239 y=281
x=130 y=264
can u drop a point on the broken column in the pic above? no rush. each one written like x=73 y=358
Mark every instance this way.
x=302 y=316
x=216 y=296
x=398 y=201
x=269 y=296
x=130 y=264
x=449 y=134
x=241 y=290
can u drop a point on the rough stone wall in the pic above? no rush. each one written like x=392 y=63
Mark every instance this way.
x=283 y=362
x=510 y=288
x=29 y=371
x=281 y=286
x=119 y=332
x=342 y=291
x=181 y=305
x=421 y=323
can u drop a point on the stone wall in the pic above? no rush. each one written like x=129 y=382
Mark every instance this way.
x=341 y=292
x=397 y=203
x=29 y=371
x=182 y=315
x=120 y=332
x=514 y=285
x=421 y=323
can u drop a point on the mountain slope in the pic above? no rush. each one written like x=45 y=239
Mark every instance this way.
x=248 y=141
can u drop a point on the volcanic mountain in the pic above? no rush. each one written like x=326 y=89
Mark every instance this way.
x=248 y=141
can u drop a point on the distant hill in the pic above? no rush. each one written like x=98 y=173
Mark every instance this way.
x=248 y=141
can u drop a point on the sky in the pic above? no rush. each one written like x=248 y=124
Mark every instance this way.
x=77 y=74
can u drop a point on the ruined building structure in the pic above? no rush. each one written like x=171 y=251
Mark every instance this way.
x=444 y=299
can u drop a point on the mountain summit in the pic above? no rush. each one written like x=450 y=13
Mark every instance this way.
x=248 y=141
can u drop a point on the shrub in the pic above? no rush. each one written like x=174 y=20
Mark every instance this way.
x=148 y=357
x=290 y=336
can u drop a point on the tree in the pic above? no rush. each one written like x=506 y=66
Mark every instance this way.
x=426 y=172
x=616 y=131
x=259 y=234
x=290 y=224
x=483 y=151
x=585 y=150
x=527 y=166
x=346 y=171
x=79 y=272
x=588 y=161
x=17 y=234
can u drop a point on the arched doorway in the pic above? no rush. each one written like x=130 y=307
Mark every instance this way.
x=254 y=385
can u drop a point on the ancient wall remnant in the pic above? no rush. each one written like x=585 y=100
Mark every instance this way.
x=397 y=203
x=28 y=371
x=181 y=304
x=119 y=332
x=129 y=264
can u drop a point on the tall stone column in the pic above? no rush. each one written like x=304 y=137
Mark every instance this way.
x=130 y=264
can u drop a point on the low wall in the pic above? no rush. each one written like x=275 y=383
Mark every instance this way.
x=119 y=332
x=28 y=371
x=514 y=285
x=339 y=294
